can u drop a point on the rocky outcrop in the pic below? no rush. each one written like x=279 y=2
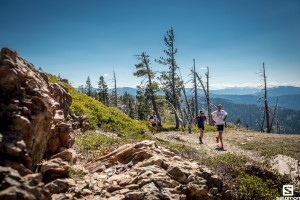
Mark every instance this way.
x=143 y=171
x=14 y=186
x=35 y=120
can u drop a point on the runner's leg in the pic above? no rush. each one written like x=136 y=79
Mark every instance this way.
x=221 y=138
x=217 y=137
x=201 y=134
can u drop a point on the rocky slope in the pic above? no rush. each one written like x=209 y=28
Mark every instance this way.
x=35 y=125
x=146 y=171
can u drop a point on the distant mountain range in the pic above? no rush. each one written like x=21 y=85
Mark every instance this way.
x=274 y=91
x=288 y=96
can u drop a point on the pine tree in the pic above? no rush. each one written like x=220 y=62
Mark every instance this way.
x=88 y=86
x=142 y=104
x=151 y=87
x=128 y=106
x=170 y=81
x=103 y=91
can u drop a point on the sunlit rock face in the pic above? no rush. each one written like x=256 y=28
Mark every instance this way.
x=29 y=108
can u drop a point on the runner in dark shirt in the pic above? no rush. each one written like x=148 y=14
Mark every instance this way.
x=201 y=120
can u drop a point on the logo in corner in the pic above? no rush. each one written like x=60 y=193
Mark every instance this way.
x=288 y=190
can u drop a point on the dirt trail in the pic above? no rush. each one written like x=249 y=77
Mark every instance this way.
x=233 y=143
x=209 y=142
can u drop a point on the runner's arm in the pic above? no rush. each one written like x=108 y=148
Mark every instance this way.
x=225 y=117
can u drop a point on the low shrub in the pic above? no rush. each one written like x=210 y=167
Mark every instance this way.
x=252 y=187
x=75 y=173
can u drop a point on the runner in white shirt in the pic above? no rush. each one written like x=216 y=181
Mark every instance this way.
x=219 y=116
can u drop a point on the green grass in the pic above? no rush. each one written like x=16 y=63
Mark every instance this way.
x=248 y=180
x=272 y=146
x=75 y=173
x=101 y=116
x=92 y=141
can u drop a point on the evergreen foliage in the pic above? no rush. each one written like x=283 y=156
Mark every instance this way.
x=128 y=105
x=150 y=87
x=143 y=108
x=100 y=116
x=170 y=81
x=88 y=86
x=103 y=91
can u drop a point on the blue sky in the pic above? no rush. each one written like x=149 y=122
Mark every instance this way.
x=76 y=38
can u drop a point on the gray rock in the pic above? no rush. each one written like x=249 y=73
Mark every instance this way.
x=14 y=186
x=54 y=168
x=177 y=174
x=60 y=185
x=136 y=195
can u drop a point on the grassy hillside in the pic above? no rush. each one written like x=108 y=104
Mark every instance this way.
x=101 y=116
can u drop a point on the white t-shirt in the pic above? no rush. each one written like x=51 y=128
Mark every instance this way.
x=218 y=117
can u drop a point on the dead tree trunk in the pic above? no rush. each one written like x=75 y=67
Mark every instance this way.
x=274 y=113
x=115 y=92
x=267 y=113
x=208 y=98
x=189 y=116
x=206 y=93
x=195 y=90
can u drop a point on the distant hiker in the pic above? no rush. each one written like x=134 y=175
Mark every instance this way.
x=200 y=120
x=154 y=121
x=219 y=116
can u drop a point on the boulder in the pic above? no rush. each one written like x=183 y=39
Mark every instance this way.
x=60 y=185
x=66 y=155
x=29 y=106
x=54 y=168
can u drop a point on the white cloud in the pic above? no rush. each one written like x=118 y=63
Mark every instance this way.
x=274 y=84
x=105 y=75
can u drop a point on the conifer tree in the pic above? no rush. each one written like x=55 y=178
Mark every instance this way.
x=88 y=86
x=151 y=87
x=128 y=106
x=171 y=83
x=142 y=104
x=103 y=91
